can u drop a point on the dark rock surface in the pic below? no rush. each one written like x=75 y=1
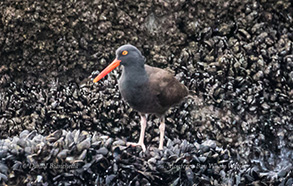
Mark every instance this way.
x=58 y=128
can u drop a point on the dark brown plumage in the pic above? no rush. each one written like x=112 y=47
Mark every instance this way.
x=149 y=90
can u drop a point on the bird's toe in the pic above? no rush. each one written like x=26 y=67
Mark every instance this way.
x=137 y=144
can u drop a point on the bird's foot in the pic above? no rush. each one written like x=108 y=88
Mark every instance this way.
x=136 y=144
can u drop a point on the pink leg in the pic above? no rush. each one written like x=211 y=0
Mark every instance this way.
x=162 y=133
x=143 y=124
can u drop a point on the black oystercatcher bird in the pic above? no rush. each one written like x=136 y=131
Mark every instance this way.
x=149 y=90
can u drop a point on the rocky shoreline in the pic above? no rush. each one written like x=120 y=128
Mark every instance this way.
x=58 y=128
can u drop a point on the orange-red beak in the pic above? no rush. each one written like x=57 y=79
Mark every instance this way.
x=108 y=69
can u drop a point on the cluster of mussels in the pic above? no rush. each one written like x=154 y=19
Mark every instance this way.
x=58 y=128
x=80 y=157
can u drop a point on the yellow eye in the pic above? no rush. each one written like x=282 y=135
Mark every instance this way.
x=124 y=53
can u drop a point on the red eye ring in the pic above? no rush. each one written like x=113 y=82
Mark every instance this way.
x=124 y=53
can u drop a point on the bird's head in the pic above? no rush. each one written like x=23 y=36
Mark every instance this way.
x=126 y=55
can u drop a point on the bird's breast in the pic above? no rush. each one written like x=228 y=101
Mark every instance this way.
x=137 y=95
x=135 y=89
x=133 y=94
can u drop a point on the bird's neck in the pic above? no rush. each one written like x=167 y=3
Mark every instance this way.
x=135 y=74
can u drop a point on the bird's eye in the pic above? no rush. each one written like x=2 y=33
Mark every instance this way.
x=124 y=53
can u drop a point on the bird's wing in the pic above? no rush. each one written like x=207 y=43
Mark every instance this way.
x=165 y=86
